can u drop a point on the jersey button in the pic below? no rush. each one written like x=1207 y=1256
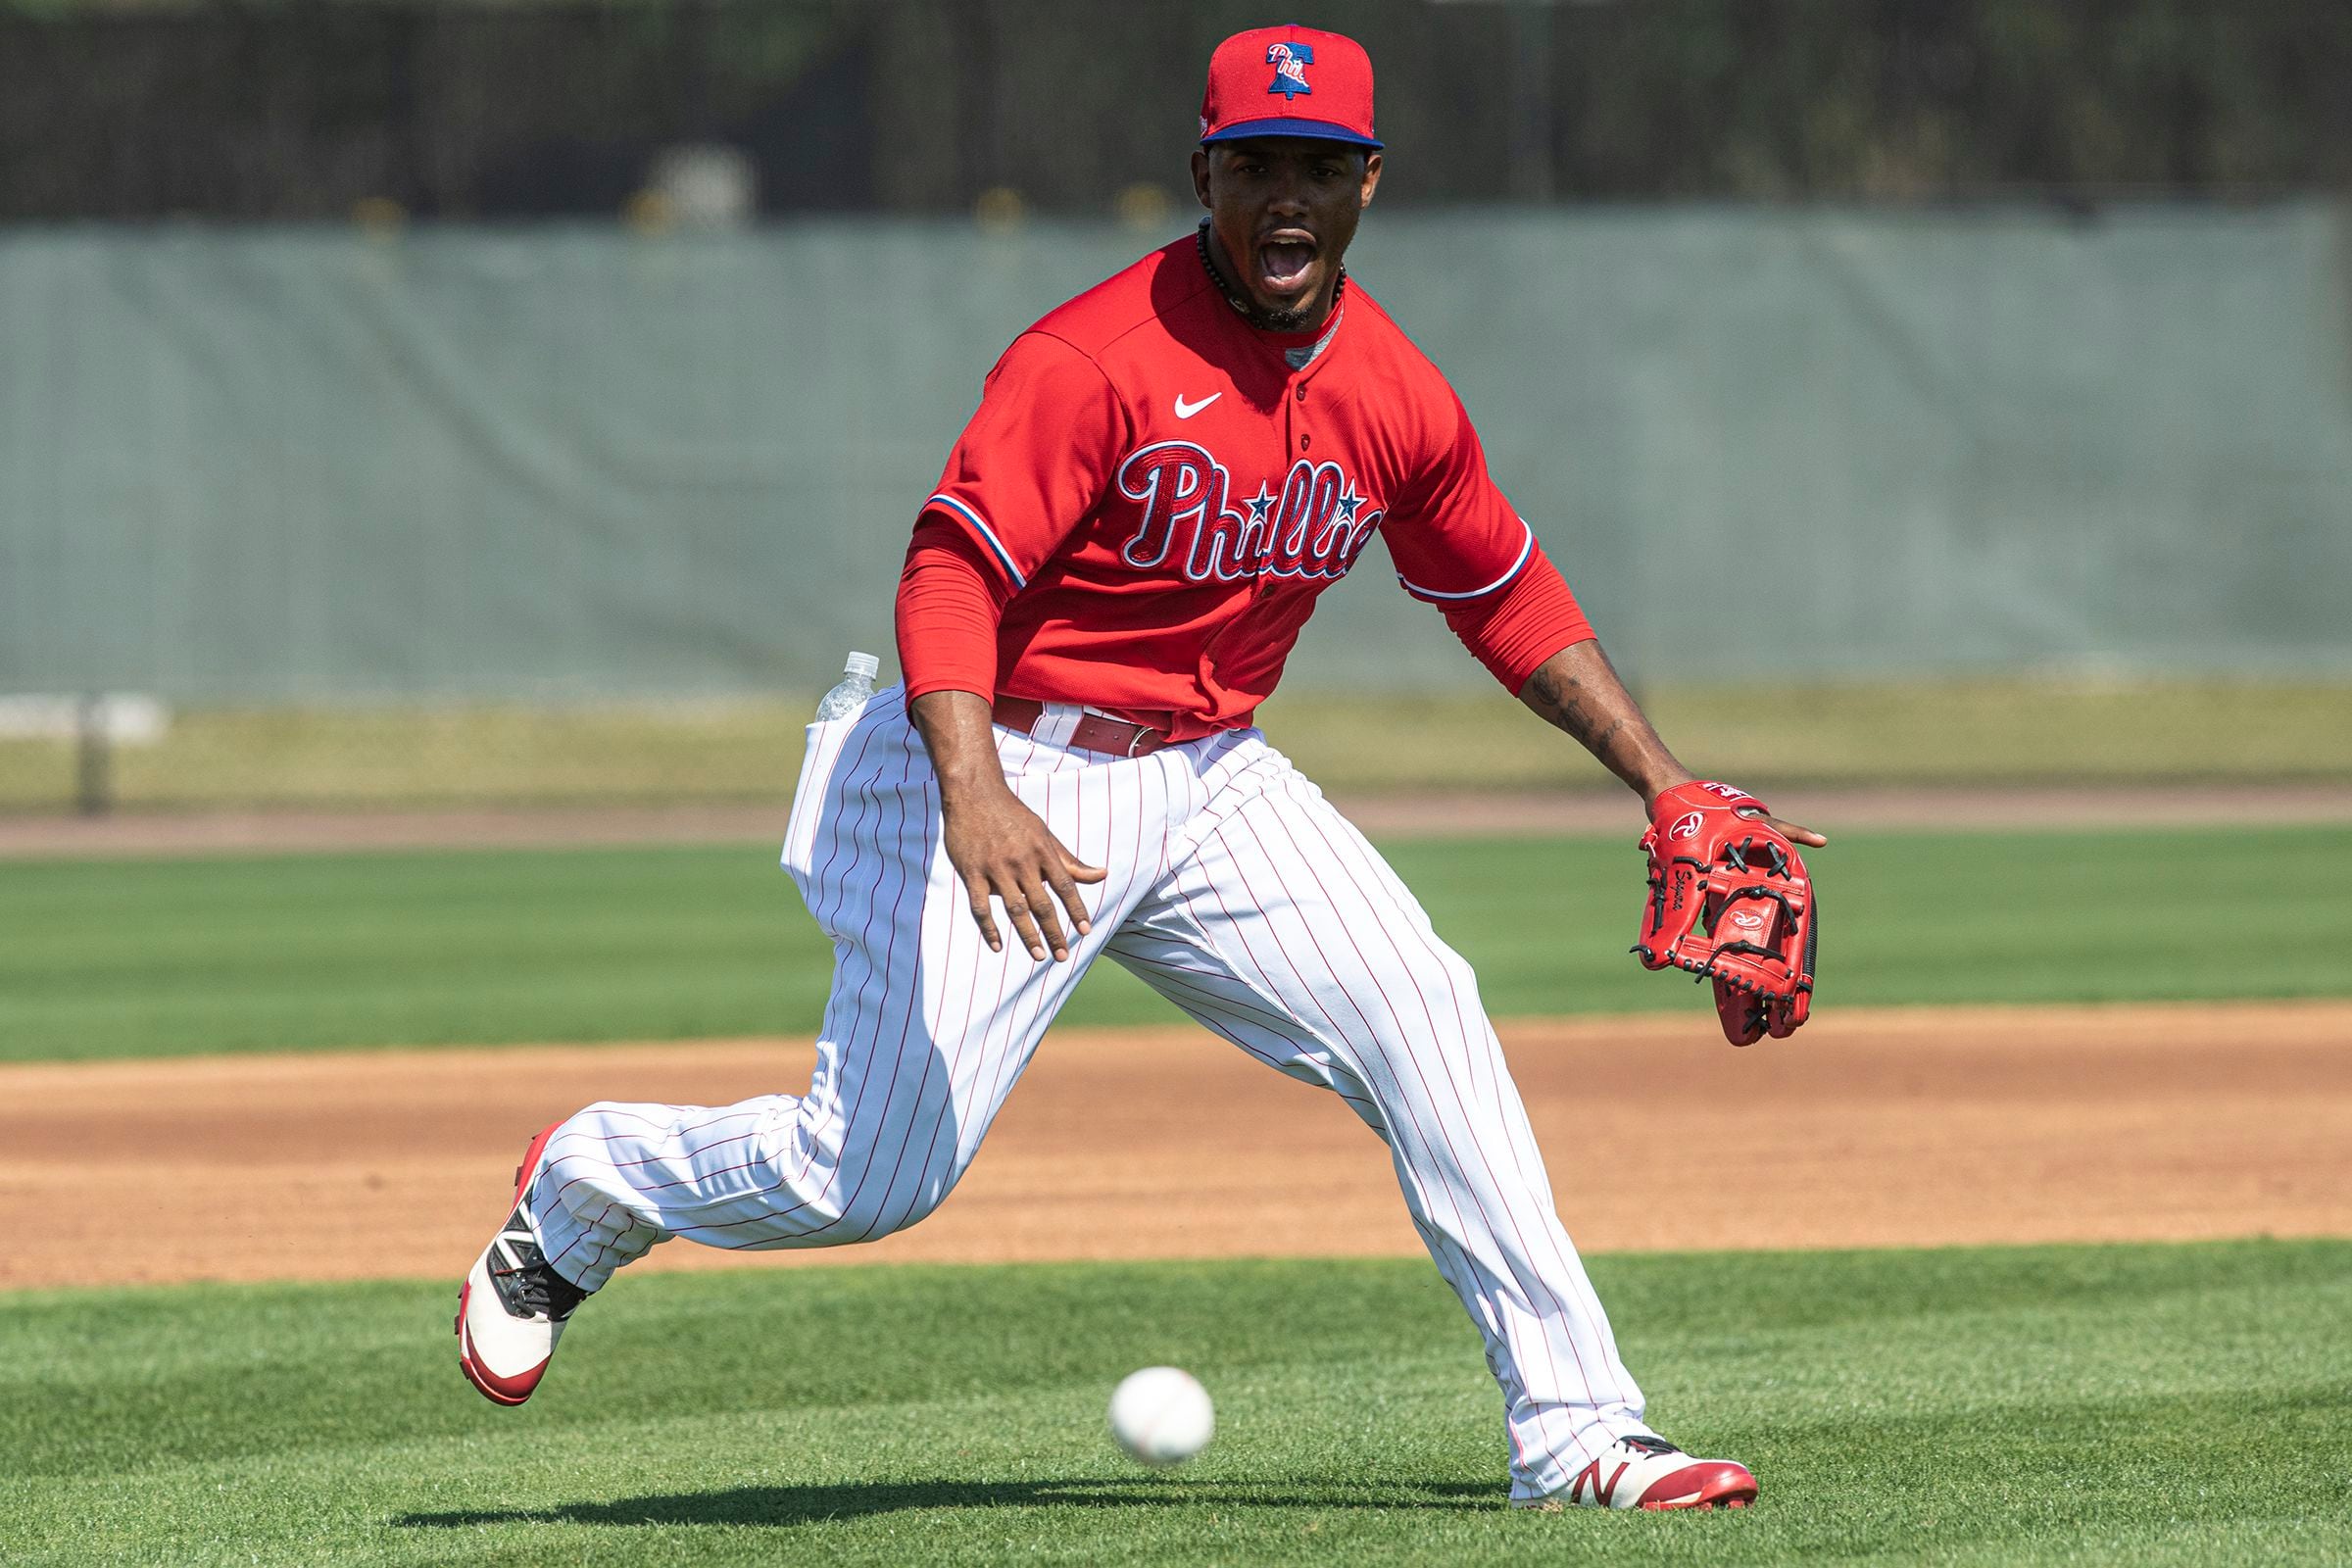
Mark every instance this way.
x=1304 y=442
x=1303 y=394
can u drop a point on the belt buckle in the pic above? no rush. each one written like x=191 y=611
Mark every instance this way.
x=1142 y=732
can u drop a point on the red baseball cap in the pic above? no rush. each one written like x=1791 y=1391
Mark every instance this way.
x=1288 y=82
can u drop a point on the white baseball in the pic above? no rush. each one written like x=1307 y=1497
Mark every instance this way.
x=1162 y=1415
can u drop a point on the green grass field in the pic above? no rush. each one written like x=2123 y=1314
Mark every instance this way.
x=144 y=957
x=1948 y=732
x=2041 y=1406
x=2142 y=1404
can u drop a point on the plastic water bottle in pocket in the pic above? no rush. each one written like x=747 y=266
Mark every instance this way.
x=857 y=685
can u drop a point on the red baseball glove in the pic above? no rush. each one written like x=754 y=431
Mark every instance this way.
x=1728 y=900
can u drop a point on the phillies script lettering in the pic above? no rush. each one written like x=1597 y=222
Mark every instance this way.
x=1314 y=526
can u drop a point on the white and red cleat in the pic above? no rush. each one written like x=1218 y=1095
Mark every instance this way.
x=512 y=1306
x=1648 y=1472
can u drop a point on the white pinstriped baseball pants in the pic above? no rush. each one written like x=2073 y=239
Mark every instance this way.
x=1237 y=893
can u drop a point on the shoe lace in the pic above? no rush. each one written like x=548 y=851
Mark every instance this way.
x=528 y=1286
x=537 y=1290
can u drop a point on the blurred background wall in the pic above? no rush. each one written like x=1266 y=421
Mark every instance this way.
x=558 y=353
x=563 y=462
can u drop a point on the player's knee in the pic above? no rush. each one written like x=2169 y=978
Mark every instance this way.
x=870 y=1222
x=1452 y=978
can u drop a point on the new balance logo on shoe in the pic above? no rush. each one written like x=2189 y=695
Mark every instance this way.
x=1603 y=1492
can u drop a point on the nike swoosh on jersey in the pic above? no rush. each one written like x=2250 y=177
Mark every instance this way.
x=1184 y=411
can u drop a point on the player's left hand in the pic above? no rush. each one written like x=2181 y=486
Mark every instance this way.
x=1729 y=901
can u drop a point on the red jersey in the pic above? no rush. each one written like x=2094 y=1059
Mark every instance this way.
x=1153 y=493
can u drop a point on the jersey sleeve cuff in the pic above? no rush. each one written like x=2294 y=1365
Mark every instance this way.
x=969 y=516
x=1527 y=550
x=1513 y=633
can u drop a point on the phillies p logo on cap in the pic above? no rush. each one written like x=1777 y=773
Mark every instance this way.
x=1289 y=62
x=1320 y=87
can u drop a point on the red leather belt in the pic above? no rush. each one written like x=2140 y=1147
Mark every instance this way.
x=1093 y=732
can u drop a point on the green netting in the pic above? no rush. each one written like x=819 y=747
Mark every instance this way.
x=297 y=463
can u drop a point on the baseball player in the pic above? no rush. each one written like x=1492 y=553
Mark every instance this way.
x=1130 y=533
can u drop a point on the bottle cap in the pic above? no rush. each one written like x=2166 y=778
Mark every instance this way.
x=866 y=664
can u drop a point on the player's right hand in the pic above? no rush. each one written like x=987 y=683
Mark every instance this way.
x=1003 y=851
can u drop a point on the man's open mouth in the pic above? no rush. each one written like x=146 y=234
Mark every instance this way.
x=1282 y=261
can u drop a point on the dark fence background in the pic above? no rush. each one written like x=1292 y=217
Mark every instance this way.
x=522 y=110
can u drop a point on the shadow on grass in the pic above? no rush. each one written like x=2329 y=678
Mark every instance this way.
x=812 y=1504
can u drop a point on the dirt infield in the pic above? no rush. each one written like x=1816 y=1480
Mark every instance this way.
x=1885 y=1128
x=1415 y=815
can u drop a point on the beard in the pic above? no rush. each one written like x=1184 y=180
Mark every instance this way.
x=1292 y=319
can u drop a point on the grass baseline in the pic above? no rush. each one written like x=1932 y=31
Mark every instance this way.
x=2163 y=1403
x=131 y=959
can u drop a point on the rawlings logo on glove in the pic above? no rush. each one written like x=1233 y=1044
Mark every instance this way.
x=1729 y=901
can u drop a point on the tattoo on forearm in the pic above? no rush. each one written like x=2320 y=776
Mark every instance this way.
x=1570 y=708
